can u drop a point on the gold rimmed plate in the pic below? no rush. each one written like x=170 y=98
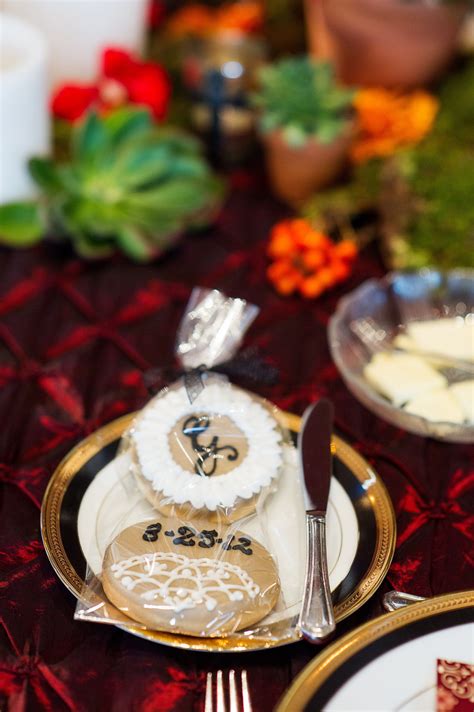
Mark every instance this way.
x=369 y=510
x=389 y=663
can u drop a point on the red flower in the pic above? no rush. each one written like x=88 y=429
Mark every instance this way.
x=123 y=79
x=117 y=63
x=71 y=101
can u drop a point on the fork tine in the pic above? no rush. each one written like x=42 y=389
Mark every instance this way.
x=246 y=703
x=208 y=700
x=234 y=697
x=220 y=693
x=233 y=701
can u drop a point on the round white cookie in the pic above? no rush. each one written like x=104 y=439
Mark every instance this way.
x=212 y=458
x=190 y=578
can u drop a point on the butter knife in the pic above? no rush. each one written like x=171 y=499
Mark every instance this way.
x=316 y=621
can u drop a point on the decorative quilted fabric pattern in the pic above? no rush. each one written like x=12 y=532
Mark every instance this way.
x=75 y=339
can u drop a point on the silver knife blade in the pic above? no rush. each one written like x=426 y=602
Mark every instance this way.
x=316 y=620
x=315 y=453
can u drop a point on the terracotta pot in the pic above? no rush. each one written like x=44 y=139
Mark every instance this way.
x=387 y=43
x=296 y=173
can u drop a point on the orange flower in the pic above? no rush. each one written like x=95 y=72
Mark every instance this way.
x=197 y=19
x=306 y=260
x=246 y=16
x=389 y=120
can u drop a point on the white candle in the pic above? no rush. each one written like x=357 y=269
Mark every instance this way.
x=78 y=30
x=24 y=112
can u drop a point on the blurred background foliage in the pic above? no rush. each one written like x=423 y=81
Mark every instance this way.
x=419 y=200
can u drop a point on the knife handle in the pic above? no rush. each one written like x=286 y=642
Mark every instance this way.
x=316 y=619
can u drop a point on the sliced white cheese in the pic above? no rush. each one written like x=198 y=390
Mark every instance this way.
x=401 y=377
x=463 y=392
x=439 y=405
x=450 y=337
x=402 y=341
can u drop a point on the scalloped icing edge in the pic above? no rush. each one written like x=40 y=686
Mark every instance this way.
x=260 y=467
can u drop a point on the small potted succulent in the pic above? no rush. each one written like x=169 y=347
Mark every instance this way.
x=387 y=43
x=306 y=126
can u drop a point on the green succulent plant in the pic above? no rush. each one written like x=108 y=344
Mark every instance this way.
x=301 y=98
x=127 y=186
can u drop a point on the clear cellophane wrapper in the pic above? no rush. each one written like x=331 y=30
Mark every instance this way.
x=201 y=531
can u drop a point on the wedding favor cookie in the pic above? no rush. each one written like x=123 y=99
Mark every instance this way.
x=211 y=458
x=189 y=579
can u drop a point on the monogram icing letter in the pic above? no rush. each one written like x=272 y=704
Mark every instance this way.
x=207 y=456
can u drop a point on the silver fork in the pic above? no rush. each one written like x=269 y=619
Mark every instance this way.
x=238 y=696
x=394 y=600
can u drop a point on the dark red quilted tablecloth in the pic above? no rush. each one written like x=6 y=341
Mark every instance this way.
x=74 y=341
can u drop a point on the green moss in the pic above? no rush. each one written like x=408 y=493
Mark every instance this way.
x=442 y=179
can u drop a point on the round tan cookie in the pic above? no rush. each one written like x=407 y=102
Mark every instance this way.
x=190 y=578
x=214 y=459
x=241 y=509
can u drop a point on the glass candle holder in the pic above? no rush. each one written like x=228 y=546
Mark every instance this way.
x=219 y=73
x=24 y=114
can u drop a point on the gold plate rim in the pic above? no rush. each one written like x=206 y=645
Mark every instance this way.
x=315 y=674
x=51 y=534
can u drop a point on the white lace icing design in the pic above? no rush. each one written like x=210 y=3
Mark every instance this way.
x=184 y=583
x=261 y=464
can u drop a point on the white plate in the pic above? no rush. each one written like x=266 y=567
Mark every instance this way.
x=388 y=664
x=404 y=679
x=110 y=504
x=361 y=524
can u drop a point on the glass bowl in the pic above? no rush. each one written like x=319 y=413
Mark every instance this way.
x=392 y=302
